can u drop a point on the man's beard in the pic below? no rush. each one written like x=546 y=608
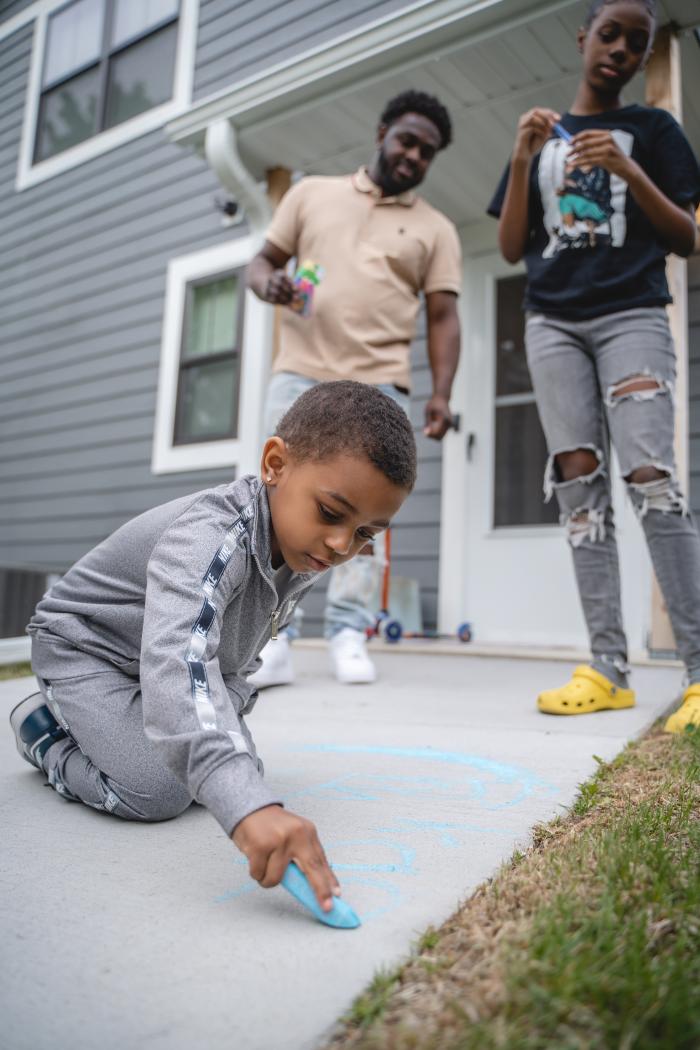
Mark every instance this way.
x=388 y=181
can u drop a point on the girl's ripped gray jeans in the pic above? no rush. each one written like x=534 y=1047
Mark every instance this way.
x=580 y=371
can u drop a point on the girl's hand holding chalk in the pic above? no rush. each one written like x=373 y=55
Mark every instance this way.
x=534 y=128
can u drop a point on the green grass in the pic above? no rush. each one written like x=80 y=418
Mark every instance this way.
x=592 y=937
x=368 y=1007
x=614 y=959
x=14 y=671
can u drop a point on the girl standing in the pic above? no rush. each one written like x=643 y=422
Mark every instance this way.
x=594 y=200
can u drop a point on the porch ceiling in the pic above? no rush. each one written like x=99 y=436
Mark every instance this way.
x=486 y=81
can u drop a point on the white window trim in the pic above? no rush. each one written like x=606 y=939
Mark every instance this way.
x=29 y=174
x=241 y=452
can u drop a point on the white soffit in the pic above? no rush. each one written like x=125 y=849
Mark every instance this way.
x=398 y=41
x=502 y=58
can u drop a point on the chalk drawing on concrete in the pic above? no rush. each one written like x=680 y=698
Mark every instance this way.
x=523 y=782
x=382 y=864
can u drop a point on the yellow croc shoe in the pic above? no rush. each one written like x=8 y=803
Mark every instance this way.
x=588 y=691
x=688 y=714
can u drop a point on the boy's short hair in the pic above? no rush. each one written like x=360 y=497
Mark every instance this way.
x=346 y=417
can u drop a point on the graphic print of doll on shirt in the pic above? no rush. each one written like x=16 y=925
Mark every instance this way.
x=581 y=209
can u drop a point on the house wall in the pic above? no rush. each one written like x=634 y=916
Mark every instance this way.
x=237 y=40
x=82 y=284
x=10 y=8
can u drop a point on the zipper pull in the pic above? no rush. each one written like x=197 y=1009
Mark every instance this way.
x=274 y=621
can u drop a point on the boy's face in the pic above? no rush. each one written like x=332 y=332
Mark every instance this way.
x=324 y=512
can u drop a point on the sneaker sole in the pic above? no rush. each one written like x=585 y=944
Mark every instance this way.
x=356 y=679
x=28 y=706
x=18 y=716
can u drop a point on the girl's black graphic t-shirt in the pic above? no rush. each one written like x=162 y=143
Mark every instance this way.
x=591 y=250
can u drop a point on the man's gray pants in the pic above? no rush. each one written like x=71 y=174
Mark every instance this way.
x=352 y=585
x=577 y=368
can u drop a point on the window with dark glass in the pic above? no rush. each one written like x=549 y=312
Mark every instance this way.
x=520 y=449
x=210 y=360
x=105 y=61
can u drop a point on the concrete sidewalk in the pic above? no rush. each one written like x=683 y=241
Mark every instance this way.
x=128 y=936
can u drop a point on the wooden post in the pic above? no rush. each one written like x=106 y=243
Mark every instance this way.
x=663 y=89
x=278 y=182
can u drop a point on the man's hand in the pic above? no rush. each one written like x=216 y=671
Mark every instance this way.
x=438 y=418
x=271 y=837
x=279 y=289
x=266 y=275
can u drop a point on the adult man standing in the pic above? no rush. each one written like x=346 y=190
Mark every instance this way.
x=379 y=245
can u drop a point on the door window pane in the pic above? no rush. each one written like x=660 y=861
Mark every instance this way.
x=521 y=455
x=67 y=114
x=210 y=363
x=141 y=76
x=512 y=374
x=134 y=17
x=74 y=39
x=213 y=317
x=210 y=400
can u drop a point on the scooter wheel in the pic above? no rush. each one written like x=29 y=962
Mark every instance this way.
x=464 y=632
x=391 y=631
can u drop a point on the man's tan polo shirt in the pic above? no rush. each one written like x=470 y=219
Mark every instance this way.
x=377 y=254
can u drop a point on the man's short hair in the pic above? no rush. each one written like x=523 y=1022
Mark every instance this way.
x=355 y=419
x=420 y=102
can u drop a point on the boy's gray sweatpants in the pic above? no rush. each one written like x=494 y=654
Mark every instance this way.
x=106 y=761
x=576 y=367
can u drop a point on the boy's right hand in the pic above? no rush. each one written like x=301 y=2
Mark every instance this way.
x=534 y=128
x=271 y=837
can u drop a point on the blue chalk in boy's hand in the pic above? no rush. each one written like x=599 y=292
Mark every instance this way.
x=562 y=132
x=341 y=914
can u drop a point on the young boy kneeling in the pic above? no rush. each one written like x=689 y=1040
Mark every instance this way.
x=143 y=648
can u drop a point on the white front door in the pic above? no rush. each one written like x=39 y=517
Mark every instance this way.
x=505 y=565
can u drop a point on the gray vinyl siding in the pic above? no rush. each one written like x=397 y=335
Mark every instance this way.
x=10 y=8
x=82 y=284
x=237 y=40
x=415 y=540
x=20 y=592
x=82 y=287
x=694 y=380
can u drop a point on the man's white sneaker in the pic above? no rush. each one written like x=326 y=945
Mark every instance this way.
x=277 y=668
x=351 y=661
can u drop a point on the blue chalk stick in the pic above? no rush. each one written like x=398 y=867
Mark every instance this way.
x=562 y=132
x=341 y=914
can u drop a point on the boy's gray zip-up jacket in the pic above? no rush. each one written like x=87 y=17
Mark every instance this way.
x=182 y=597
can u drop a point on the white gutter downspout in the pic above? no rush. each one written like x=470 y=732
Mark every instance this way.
x=221 y=152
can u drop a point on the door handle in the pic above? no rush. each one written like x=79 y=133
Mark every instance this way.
x=470 y=443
